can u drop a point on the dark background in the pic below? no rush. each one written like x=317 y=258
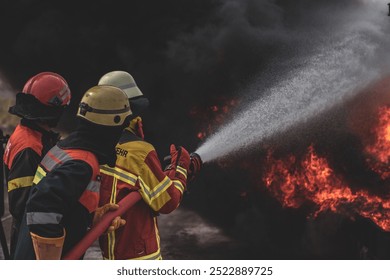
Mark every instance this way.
x=187 y=54
x=183 y=54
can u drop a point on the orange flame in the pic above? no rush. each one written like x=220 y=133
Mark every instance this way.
x=295 y=181
x=379 y=151
x=311 y=179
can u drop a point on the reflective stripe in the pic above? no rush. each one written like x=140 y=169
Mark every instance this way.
x=182 y=171
x=157 y=237
x=57 y=156
x=153 y=194
x=178 y=185
x=42 y=218
x=93 y=186
x=54 y=157
x=111 y=235
x=39 y=175
x=64 y=93
x=21 y=182
x=153 y=256
x=104 y=112
x=129 y=85
x=111 y=245
x=113 y=190
x=120 y=174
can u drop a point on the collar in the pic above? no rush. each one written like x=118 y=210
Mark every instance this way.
x=34 y=126
x=133 y=125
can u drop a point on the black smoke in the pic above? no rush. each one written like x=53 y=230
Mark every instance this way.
x=181 y=53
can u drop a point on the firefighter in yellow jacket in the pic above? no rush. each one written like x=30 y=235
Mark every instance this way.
x=138 y=169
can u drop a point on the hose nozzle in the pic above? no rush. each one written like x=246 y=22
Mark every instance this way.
x=195 y=166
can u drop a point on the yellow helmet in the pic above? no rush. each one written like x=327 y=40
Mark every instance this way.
x=104 y=105
x=122 y=80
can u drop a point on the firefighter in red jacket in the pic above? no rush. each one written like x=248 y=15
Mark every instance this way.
x=138 y=169
x=65 y=191
x=40 y=105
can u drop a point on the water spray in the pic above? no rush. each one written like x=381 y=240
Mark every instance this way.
x=348 y=60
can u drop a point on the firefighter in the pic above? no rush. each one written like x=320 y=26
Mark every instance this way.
x=65 y=191
x=40 y=106
x=138 y=169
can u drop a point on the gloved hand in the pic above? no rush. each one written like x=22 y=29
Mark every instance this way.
x=179 y=157
x=178 y=168
x=99 y=213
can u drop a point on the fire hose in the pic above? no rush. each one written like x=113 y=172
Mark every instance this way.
x=98 y=229
x=125 y=204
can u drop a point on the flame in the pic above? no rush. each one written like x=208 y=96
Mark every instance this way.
x=295 y=181
x=311 y=179
x=379 y=151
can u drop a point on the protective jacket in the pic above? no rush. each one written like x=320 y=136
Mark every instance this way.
x=25 y=149
x=138 y=169
x=64 y=194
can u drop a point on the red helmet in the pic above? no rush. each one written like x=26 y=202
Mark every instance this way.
x=43 y=97
x=49 y=88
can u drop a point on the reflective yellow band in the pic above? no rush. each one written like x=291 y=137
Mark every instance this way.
x=154 y=256
x=111 y=245
x=39 y=175
x=152 y=194
x=21 y=182
x=157 y=232
x=120 y=174
x=182 y=171
x=111 y=235
x=178 y=185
